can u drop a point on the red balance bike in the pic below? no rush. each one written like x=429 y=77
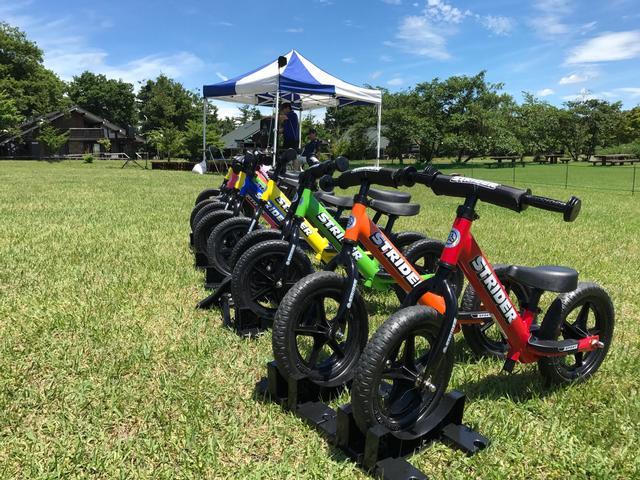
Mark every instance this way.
x=406 y=366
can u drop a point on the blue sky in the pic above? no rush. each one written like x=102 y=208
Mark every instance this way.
x=557 y=49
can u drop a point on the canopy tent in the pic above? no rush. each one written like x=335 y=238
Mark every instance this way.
x=297 y=81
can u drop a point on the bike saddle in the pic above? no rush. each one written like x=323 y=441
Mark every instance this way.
x=394 y=208
x=550 y=278
x=387 y=196
x=289 y=181
x=290 y=174
x=334 y=200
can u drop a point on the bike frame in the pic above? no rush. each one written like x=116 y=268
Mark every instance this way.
x=362 y=229
x=462 y=250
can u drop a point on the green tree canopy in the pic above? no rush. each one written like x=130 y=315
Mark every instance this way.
x=108 y=98
x=33 y=89
x=165 y=103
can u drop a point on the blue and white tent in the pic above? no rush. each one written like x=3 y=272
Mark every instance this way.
x=299 y=82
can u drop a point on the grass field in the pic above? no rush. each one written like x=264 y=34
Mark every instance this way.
x=107 y=370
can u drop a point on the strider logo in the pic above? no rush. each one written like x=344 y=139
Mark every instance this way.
x=493 y=286
x=274 y=212
x=328 y=222
x=335 y=230
x=396 y=259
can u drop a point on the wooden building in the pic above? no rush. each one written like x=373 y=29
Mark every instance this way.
x=85 y=129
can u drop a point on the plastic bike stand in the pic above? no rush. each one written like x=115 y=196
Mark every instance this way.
x=201 y=260
x=241 y=320
x=213 y=278
x=380 y=451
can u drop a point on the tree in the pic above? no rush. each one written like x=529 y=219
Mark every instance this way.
x=399 y=127
x=193 y=137
x=106 y=144
x=52 y=138
x=590 y=123
x=165 y=103
x=9 y=116
x=108 y=98
x=167 y=140
x=537 y=126
x=249 y=113
x=33 y=89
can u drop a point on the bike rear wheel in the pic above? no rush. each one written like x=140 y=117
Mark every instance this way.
x=585 y=311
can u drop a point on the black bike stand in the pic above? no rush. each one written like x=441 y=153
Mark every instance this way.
x=241 y=320
x=201 y=260
x=213 y=278
x=380 y=452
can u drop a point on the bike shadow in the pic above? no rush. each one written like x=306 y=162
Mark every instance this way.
x=518 y=387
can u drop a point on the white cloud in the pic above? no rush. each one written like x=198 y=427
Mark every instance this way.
x=225 y=24
x=545 y=92
x=499 y=25
x=584 y=94
x=395 y=82
x=386 y=58
x=393 y=2
x=549 y=20
x=376 y=74
x=294 y=30
x=348 y=60
x=419 y=36
x=633 y=92
x=607 y=47
x=439 y=11
x=222 y=77
x=576 y=78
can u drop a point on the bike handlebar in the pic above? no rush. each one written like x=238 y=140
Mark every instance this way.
x=505 y=196
x=327 y=167
x=387 y=177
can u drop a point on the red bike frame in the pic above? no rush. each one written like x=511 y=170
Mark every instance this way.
x=462 y=250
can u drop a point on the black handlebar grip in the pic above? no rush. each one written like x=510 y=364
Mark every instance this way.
x=569 y=209
x=342 y=164
x=326 y=183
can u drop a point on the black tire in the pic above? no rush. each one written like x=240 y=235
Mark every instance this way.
x=424 y=255
x=245 y=243
x=591 y=302
x=374 y=398
x=197 y=209
x=205 y=226
x=403 y=240
x=305 y=342
x=209 y=193
x=205 y=210
x=486 y=339
x=253 y=285
x=223 y=238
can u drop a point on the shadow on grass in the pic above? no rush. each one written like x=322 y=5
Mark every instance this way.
x=517 y=387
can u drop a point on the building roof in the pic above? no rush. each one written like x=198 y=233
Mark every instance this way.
x=240 y=134
x=35 y=123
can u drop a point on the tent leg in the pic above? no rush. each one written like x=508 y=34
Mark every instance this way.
x=275 y=127
x=204 y=128
x=300 y=130
x=379 y=127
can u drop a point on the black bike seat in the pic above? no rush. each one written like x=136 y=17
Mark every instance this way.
x=388 y=196
x=289 y=181
x=394 y=208
x=291 y=174
x=334 y=200
x=550 y=278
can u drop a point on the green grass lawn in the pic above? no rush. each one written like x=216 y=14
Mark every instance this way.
x=108 y=371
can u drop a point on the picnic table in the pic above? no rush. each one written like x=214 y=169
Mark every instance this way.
x=613 y=159
x=550 y=158
x=506 y=158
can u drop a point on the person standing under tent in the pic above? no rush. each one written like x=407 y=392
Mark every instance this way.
x=289 y=126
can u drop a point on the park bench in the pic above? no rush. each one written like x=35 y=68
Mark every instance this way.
x=613 y=159
x=510 y=160
x=565 y=160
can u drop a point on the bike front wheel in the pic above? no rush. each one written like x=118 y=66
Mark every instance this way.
x=395 y=383
x=309 y=339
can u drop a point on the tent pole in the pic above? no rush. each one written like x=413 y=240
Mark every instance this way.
x=204 y=128
x=300 y=129
x=379 y=127
x=275 y=127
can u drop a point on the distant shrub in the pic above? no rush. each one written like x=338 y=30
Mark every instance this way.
x=632 y=148
x=88 y=158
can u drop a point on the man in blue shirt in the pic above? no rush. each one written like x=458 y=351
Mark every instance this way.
x=289 y=126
